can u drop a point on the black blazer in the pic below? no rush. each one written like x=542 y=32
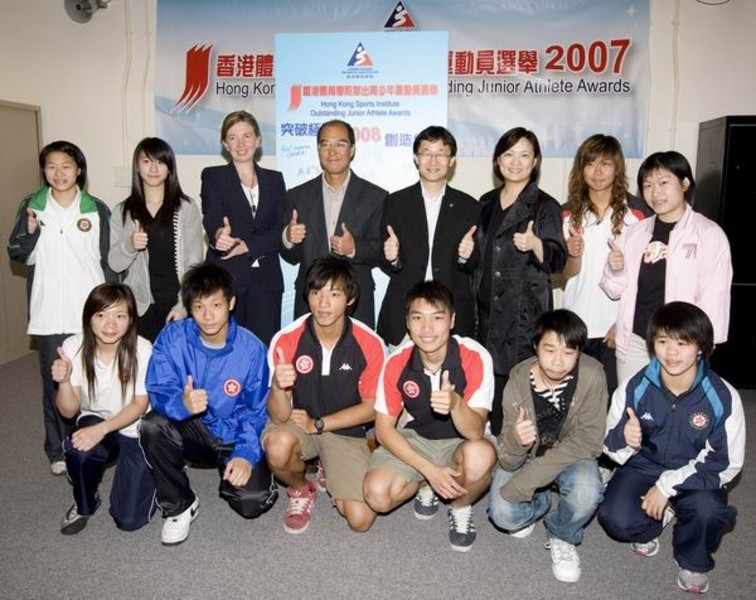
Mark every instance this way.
x=405 y=212
x=222 y=196
x=361 y=211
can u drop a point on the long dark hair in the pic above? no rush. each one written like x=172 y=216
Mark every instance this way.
x=100 y=298
x=596 y=147
x=135 y=205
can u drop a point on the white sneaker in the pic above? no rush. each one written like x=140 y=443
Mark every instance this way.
x=565 y=561
x=176 y=529
x=524 y=532
x=58 y=467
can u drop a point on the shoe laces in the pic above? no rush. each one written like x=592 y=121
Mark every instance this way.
x=299 y=502
x=561 y=551
x=461 y=519
x=426 y=496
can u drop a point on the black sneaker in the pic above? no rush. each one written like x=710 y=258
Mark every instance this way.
x=426 y=503
x=73 y=522
x=461 y=528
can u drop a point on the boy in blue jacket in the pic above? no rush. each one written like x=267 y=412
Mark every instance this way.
x=207 y=381
x=677 y=431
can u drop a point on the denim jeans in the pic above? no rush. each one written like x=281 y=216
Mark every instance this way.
x=580 y=491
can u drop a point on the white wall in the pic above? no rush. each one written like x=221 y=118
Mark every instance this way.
x=97 y=95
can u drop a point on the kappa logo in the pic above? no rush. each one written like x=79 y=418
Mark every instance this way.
x=345 y=367
x=400 y=18
x=232 y=387
x=360 y=57
x=699 y=420
x=646 y=416
x=197 y=77
x=411 y=389
x=304 y=364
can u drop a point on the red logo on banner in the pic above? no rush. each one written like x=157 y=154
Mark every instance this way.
x=232 y=387
x=411 y=389
x=197 y=76
x=400 y=18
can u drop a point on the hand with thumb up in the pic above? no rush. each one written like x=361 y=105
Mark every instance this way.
x=195 y=401
x=525 y=242
x=615 y=260
x=391 y=245
x=467 y=245
x=139 y=236
x=445 y=399
x=524 y=429
x=61 y=367
x=284 y=373
x=295 y=231
x=632 y=431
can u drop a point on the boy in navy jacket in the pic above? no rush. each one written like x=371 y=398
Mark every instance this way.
x=677 y=431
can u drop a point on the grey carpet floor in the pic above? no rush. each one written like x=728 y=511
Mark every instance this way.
x=228 y=557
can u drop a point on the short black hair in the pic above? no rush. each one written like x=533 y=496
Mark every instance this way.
x=436 y=133
x=203 y=280
x=434 y=293
x=682 y=321
x=671 y=161
x=509 y=139
x=566 y=324
x=344 y=124
x=339 y=271
x=71 y=150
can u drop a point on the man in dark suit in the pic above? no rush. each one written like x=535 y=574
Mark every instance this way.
x=337 y=213
x=430 y=230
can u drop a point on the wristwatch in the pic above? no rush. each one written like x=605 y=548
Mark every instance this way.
x=319 y=425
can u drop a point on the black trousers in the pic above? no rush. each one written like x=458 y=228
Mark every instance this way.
x=132 y=495
x=168 y=445
x=56 y=427
x=605 y=355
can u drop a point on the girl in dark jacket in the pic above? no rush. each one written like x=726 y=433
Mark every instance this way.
x=521 y=244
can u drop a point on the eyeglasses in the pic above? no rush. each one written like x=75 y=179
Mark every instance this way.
x=440 y=156
x=339 y=145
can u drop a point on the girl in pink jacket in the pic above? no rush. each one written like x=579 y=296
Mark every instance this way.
x=677 y=254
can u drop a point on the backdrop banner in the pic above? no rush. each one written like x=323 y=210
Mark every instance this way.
x=563 y=68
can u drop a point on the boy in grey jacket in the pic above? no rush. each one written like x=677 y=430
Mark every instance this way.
x=554 y=419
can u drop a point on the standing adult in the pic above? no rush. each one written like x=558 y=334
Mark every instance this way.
x=155 y=236
x=521 y=245
x=243 y=207
x=336 y=213
x=677 y=254
x=428 y=229
x=61 y=233
x=599 y=209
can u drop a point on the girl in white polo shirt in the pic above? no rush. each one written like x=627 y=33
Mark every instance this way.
x=100 y=375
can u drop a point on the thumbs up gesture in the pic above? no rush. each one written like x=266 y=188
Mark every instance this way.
x=445 y=399
x=295 y=231
x=525 y=242
x=284 y=373
x=61 y=367
x=223 y=240
x=344 y=244
x=575 y=243
x=615 y=260
x=194 y=400
x=524 y=429
x=139 y=236
x=391 y=245
x=632 y=431
x=467 y=245
x=32 y=222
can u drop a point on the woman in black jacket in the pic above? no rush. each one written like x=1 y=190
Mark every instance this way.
x=521 y=245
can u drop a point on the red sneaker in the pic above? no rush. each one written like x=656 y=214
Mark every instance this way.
x=299 y=508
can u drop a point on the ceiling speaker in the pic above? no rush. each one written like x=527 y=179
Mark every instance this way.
x=81 y=11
